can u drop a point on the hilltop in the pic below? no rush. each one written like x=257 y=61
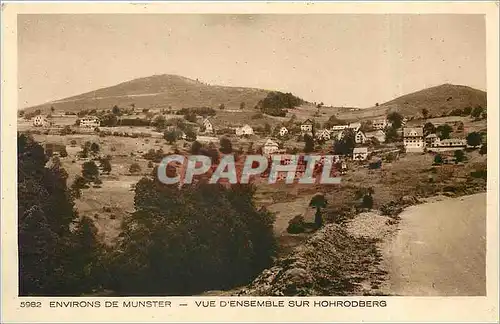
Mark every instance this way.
x=159 y=91
x=437 y=100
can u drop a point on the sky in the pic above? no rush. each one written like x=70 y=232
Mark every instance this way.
x=339 y=59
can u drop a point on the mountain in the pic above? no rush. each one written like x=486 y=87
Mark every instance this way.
x=437 y=100
x=159 y=91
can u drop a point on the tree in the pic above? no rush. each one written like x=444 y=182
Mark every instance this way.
x=186 y=240
x=109 y=120
x=318 y=201
x=116 y=110
x=47 y=259
x=474 y=139
x=94 y=148
x=52 y=109
x=106 y=165
x=242 y=105
x=459 y=156
x=267 y=128
x=73 y=142
x=478 y=110
x=78 y=184
x=222 y=106
x=425 y=113
x=345 y=145
x=90 y=171
x=429 y=128
x=225 y=145
x=333 y=121
x=276 y=103
x=196 y=147
x=190 y=134
x=134 y=168
x=170 y=136
x=191 y=117
x=396 y=119
x=309 y=143
x=443 y=131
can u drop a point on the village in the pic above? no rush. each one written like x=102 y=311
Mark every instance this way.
x=366 y=140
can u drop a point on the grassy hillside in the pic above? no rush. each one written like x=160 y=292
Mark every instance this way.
x=159 y=91
x=437 y=100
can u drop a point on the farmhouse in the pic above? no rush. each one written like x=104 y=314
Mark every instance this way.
x=380 y=123
x=270 y=147
x=379 y=135
x=283 y=131
x=323 y=134
x=90 y=122
x=360 y=137
x=40 y=121
x=245 y=130
x=307 y=127
x=360 y=153
x=413 y=139
x=209 y=128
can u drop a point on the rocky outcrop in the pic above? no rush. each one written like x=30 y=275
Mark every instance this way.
x=331 y=262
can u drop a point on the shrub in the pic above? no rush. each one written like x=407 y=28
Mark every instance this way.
x=296 y=225
x=474 y=139
x=438 y=159
x=134 y=168
x=225 y=145
x=367 y=201
x=459 y=156
x=66 y=130
x=90 y=172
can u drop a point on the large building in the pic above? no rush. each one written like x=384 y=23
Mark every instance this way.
x=413 y=139
x=90 y=122
x=270 y=147
x=307 y=127
x=380 y=123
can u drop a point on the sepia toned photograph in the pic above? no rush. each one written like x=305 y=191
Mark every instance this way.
x=246 y=155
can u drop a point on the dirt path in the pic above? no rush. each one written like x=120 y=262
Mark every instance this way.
x=439 y=249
